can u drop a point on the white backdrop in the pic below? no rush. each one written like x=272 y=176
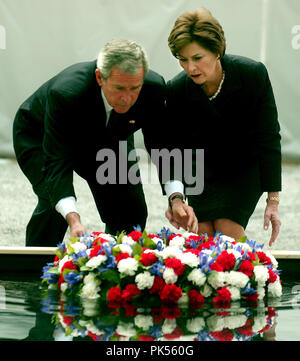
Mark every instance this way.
x=38 y=38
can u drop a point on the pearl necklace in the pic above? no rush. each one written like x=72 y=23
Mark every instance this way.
x=219 y=89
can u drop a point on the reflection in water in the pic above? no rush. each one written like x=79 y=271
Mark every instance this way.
x=95 y=320
x=50 y=318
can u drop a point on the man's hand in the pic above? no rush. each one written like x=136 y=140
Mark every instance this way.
x=182 y=215
x=271 y=214
x=76 y=228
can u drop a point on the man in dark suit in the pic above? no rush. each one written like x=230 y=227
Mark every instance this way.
x=64 y=125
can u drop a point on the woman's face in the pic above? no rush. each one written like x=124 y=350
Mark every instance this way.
x=200 y=64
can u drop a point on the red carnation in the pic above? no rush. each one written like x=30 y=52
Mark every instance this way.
x=175 y=334
x=252 y=256
x=223 y=297
x=114 y=295
x=195 y=297
x=67 y=265
x=96 y=251
x=176 y=264
x=224 y=335
x=148 y=259
x=146 y=338
x=121 y=256
x=247 y=268
x=133 y=290
x=135 y=235
x=272 y=276
x=170 y=293
x=226 y=260
x=263 y=258
x=216 y=267
x=170 y=312
x=158 y=285
x=193 y=250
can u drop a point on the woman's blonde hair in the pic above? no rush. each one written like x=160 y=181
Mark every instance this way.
x=199 y=26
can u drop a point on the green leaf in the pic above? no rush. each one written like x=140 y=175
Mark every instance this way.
x=120 y=236
x=137 y=249
x=242 y=240
x=111 y=276
x=116 y=250
x=149 y=243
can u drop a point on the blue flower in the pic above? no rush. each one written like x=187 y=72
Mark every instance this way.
x=165 y=233
x=110 y=262
x=205 y=263
x=155 y=331
x=204 y=335
x=72 y=278
x=80 y=254
x=157 y=268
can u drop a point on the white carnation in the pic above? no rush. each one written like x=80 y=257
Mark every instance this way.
x=63 y=261
x=272 y=258
x=275 y=289
x=128 y=240
x=233 y=322
x=171 y=252
x=143 y=321
x=90 y=290
x=260 y=322
x=128 y=266
x=261 y=293
x=177 y=241
x=235 y=293
x=195 y=324
x=226 y=238
x=215 y=323
x=63 y=287
x=169 y=326
x=217 y=279
x=184 y=299
x=90 y=287
x=125 y=248
x=236 y=253
x=169 y=276
x=236 y=279
x=95 y=262
x=108 y=237
x=126 y=329
x=190 y=259
x=206 y=291
x=78 y=246
x=144 y=280
x=261 y=275
x=197 y=277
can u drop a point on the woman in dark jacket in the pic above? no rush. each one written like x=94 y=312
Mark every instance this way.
x=225 y=105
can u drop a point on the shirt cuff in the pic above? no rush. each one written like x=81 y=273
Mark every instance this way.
x=174 y=186
x=66 y=205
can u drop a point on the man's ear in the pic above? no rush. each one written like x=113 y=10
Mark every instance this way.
x=99 y=77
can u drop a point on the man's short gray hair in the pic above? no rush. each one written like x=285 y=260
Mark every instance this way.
x=127 y=55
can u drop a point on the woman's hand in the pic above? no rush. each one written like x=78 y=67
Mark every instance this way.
x=271 y=215
x=182 y=215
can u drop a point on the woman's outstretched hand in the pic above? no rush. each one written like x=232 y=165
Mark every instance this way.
x=182 y=215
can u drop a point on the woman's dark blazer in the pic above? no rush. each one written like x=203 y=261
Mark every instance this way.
x=239 y=127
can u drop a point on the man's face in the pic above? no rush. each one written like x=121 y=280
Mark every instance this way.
x=121 y=90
